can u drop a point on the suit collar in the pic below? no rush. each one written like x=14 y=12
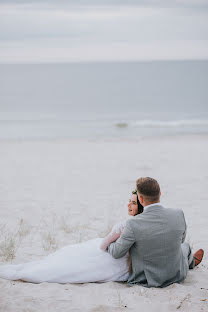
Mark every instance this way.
x=152 y=207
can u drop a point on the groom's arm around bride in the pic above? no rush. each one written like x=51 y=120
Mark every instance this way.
x=155 y=239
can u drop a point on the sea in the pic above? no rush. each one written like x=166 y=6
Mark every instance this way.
x=103 y=99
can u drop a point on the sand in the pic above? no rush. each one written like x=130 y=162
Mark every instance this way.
x=59 y=192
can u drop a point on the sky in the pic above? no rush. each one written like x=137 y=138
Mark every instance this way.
x=97 y=30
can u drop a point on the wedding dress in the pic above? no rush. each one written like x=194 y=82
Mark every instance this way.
x=79 y=263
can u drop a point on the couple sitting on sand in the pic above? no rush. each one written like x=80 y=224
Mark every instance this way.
x=153 y=238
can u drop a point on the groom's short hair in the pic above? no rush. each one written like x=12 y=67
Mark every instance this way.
x=149 y=188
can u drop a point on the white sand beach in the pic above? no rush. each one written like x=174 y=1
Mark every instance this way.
x=59 y=192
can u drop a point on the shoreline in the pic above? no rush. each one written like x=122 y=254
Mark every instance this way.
x=105 y=139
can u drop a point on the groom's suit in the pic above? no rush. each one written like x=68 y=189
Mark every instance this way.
x=155 y=239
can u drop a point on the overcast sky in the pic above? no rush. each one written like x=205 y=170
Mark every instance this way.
x=34 y=31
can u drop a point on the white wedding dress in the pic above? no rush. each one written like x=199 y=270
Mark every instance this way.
x=79 y=263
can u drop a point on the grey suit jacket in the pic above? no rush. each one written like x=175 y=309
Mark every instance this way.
x=154 y=239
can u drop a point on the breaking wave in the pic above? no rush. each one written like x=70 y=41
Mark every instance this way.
x=164 y=124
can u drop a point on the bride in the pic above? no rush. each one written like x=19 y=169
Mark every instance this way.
x=79 y=263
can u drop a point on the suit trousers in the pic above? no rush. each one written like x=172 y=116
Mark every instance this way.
x=187 y=253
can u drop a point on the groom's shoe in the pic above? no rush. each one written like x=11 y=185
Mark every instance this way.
x=198 y=256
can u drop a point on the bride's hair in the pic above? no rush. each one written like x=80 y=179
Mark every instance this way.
x=140 y=210
x=140 y=207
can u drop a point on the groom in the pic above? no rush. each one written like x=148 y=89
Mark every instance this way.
x=155 y=239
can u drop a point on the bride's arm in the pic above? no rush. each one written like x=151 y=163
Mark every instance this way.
x=112 y=236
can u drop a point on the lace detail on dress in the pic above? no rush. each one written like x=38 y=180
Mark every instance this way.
x=118 y=228
x=113 y=235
